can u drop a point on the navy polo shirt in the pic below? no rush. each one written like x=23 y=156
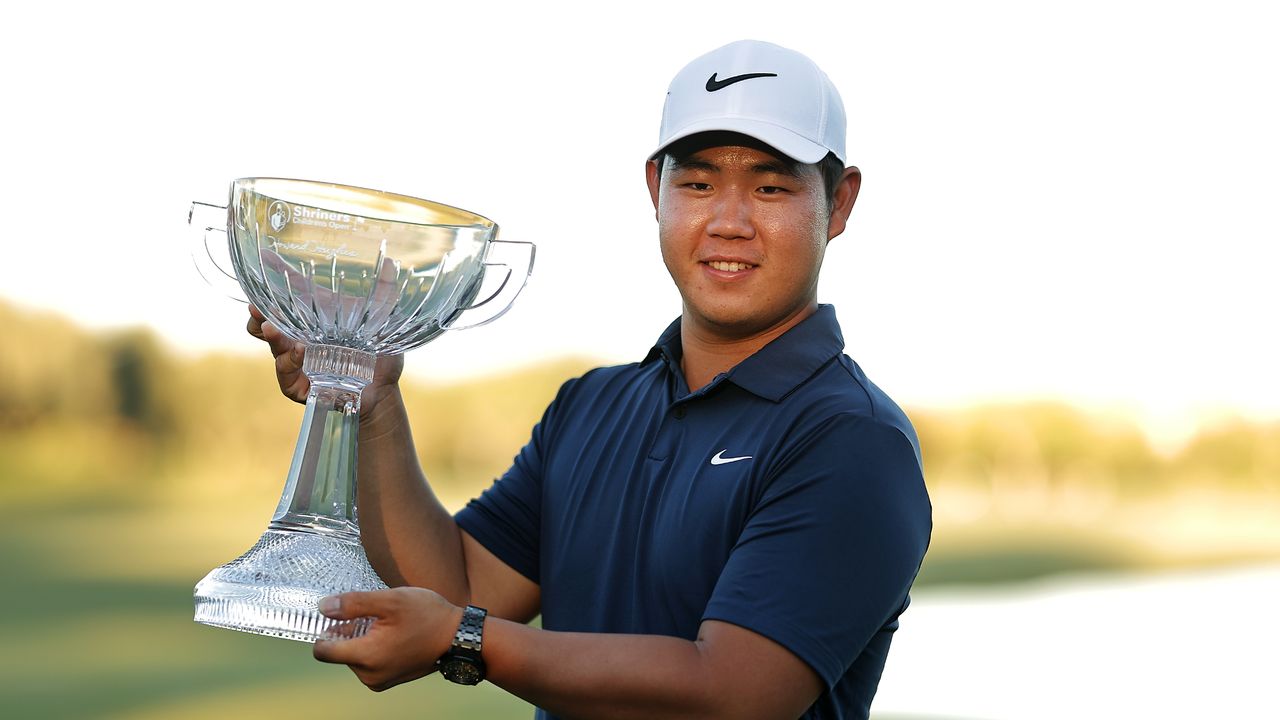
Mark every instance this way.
x=786 y=497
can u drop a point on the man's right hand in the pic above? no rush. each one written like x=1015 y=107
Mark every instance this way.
x=294 y=384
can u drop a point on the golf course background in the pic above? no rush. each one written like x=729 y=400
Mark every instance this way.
x=129 y=468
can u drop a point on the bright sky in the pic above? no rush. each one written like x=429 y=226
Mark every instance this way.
x=1068 y=200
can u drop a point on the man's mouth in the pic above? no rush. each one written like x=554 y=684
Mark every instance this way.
x=725 y=266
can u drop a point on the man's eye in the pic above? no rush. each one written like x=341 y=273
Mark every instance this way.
x=699 y=186
x=772 y=190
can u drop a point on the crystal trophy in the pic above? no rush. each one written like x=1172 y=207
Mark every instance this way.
x=352 y=273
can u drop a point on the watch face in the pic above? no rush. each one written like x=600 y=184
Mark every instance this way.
x=461 y=671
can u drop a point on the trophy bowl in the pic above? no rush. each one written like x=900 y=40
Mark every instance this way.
x=352 y=273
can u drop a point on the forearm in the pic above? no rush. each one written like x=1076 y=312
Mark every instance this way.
x=728 y=672
x=591 y=675
x=409 y=536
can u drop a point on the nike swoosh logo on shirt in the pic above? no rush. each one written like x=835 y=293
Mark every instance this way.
x=713 y=84
x=720 y=459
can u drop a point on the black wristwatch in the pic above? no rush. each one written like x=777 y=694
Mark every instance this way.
x=462 y=664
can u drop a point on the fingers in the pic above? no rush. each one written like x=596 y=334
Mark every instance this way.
x=254 y=325
x=289 y=361
x=360 y=653
x=342 y=652
x=338 y=645
x=411 y=628
x=263 y=329
x=348 y=606
x=288 y=353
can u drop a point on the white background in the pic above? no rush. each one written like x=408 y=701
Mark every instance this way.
x=1071 y=200
x=1188 y=645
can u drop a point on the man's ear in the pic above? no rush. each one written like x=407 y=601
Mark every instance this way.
x=651 y=177
x=846 y=193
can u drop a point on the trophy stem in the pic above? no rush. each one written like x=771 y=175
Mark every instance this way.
x=320 y=493
x=312 y=546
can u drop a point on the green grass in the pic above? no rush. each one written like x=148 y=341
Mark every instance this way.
x=86 y=645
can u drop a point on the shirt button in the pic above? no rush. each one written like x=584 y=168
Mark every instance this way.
x=679 y=412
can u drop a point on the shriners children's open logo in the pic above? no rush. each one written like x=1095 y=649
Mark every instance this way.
x=278 y=215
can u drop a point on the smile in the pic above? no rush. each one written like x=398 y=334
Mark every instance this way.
x=725 y=266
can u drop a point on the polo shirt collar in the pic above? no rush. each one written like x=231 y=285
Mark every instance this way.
x=777 y=368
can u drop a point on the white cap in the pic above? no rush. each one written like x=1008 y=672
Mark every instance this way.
x=759 y=89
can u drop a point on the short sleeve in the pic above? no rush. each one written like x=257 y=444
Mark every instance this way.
x=507 y=517
x=830 y=550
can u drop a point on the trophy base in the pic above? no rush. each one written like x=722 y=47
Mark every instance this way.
x=273 y=589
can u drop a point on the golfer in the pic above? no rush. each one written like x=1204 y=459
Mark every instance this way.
x=728 y=528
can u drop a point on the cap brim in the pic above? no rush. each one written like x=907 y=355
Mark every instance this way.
x=785 y=141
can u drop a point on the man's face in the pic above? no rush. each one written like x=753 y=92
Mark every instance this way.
x=743 y=236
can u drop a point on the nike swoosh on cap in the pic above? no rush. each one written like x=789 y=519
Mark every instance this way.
x=720 y=459
x=713 y=84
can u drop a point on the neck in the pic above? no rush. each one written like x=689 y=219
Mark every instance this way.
x=707 y=351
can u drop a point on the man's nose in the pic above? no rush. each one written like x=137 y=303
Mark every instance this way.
x=731 y=217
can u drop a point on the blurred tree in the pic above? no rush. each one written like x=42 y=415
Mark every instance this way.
x=1236 y=452
x=467 y=433
x=51 y=369
x=84 y=409
x=141 y=374
x=1124 y=459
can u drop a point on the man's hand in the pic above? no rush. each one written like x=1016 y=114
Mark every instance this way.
x=412 y=628
x=288 y=354
x=294 y=383
x=728 y=672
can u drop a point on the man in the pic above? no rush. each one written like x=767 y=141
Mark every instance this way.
x=730 y=527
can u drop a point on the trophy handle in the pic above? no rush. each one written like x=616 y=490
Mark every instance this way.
x=204 y=219
x=530 y=250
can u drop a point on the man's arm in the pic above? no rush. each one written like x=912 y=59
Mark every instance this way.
x=408 y=535
x=728 y=672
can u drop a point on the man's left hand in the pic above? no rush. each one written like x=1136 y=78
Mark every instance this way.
x=412 y=628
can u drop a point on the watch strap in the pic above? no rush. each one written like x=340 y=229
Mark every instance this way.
x=469 y=639
x=462 y=663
